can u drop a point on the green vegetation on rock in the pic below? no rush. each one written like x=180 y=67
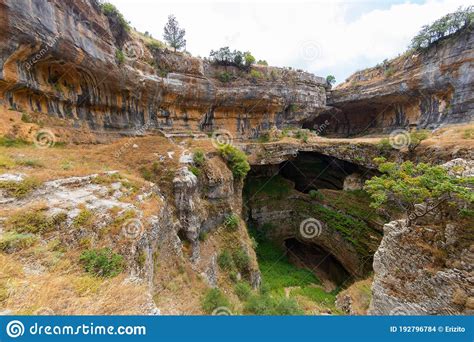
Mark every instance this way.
x=102 y=262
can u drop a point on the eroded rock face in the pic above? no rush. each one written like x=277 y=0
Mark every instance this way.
x=423 y=270
x=424 y=90
x=60 y=59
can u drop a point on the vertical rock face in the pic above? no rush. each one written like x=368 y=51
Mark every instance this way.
x=423 y=270
x=61 y=59
x=424 y=90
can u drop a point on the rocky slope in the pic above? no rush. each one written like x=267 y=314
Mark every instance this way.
x=423 y=90
x=72 y=62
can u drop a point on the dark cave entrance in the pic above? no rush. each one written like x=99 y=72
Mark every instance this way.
x=313 y=171
x=315 y=258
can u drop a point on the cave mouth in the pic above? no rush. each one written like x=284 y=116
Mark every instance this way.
x=315 y=258
x=314 y=171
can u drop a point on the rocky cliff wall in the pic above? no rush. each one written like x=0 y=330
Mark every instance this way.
x=64 y=59
x=425 y=90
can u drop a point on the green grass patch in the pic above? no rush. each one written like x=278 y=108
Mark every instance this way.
x=275 y=187
x=11 y=241
x=19 y=189
x=34 y=221
x=214 y=299
x=13 y=142
x=102 y=262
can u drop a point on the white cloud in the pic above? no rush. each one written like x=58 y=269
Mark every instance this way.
x=323 y=37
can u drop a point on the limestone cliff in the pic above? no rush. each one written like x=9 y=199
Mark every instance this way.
x=424 y=90
x=70 y=61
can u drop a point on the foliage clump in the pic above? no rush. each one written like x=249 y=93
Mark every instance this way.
x=236 y=160
x=232 y=221
x=214 y=299
x=102 y=262
x=443 y=27
x=408 y=184
x=225 y=57
x=19 y=189
x=34 y=221
x=114 y=14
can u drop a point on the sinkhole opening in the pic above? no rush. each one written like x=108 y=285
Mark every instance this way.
x=313 y=171
x=315 y=258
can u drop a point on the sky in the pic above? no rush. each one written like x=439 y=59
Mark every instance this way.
x=323 y=37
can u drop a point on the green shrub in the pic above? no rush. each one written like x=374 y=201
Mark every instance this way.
x=255 y=74
x=120 y=56
x=225 y=261
x=199 y=158
x=12 y=142
x=34 y=221
x=265 y=304
x=214 y=299
x=236 y=160
x=262 y=62
x=203 y=236
x=330 y=80
x=84 y=219
x=243 y=290
x=114 y=14
x=316 y=195
x=195 y=170
x=249 y=60
x=241 y=260
x=224 y=77
x=11 y=241
x=232 y=222
x=384 y=146
x=102 y=262
x=443 y=27
x=303 y=135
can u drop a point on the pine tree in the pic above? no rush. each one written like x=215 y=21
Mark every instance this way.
x=174 y=35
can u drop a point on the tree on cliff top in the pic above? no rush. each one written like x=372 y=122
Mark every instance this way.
x=419 y=189
x=443 y=27
x=174 y=35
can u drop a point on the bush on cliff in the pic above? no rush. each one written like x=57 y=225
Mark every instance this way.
x=443 y=27
x=236 y=160
x=112 y=12
x=214 y=299
x=225 y=57
x=102 y=262
x=407 y=185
